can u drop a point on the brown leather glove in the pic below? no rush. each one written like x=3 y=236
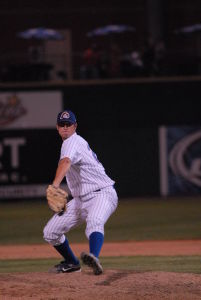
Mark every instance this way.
x=56 y=198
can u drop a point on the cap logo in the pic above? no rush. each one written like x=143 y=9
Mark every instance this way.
x=65 y=115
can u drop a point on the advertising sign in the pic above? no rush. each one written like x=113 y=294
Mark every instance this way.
x=27 y=134
x=180 y=160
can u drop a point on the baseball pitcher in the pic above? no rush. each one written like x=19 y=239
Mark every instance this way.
x=93 y=193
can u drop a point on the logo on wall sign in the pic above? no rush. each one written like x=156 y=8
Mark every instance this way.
x=10 y=110
x=189 y=169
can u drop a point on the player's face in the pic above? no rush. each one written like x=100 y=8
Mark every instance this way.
x=66 y=130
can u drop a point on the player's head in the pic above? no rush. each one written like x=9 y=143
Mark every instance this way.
x=66 y=123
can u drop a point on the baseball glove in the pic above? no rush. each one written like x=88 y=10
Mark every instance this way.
x=56 y=199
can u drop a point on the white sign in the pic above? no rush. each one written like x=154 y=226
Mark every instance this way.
x=26 y=110
x=20 y=113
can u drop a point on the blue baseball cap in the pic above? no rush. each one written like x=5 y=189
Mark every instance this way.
x=66 y=116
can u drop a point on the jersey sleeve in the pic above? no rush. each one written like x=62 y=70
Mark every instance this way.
x=70 y=149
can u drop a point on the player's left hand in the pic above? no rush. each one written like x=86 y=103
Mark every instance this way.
x=56 y=198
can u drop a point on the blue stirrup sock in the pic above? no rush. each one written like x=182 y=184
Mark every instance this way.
x=95 y=243
x=65 y=250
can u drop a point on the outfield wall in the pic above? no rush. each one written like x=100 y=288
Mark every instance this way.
x=123 y=121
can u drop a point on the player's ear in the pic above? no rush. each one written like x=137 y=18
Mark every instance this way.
x=75 y=125
x=57 y=127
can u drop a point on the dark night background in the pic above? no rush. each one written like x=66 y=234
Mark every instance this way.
x=120 y=117
x=83 y=16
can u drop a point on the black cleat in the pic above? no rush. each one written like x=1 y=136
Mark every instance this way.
x=93 y=262
x=65 y=267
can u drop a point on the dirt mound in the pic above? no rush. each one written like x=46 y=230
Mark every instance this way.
x=113 y=284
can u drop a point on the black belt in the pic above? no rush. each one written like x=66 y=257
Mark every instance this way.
x=100 y=189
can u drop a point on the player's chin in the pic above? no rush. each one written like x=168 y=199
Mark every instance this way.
x=64 y=135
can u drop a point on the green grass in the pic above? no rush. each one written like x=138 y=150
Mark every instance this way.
x=157 y=219
x=183 y=264
x=140 y=219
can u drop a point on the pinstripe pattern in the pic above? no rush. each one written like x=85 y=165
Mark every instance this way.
x=94 y=209
x=58 y=225
x=94 y=197
x=86 y=174
x=99 y=208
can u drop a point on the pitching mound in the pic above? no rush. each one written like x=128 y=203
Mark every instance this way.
x=111 y=285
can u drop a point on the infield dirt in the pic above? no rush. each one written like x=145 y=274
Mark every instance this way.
x=113 y=284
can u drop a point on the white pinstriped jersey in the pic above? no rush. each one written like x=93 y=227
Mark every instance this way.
x=86 y=173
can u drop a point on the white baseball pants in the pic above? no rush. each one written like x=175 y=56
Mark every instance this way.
x=94 y=208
